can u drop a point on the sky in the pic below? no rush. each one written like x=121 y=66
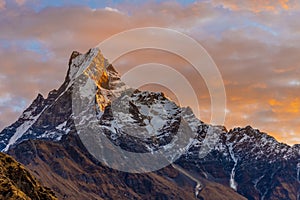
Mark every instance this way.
x=254 y=43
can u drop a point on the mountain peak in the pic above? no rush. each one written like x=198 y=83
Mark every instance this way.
x=39 y=98
x=95 y=66
x=73 y=55
x=79 y=63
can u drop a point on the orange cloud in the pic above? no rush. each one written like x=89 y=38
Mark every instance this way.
x=274 y=102
x=284 y=4
x=258 y=5
x=294 y=106
x=286 y=106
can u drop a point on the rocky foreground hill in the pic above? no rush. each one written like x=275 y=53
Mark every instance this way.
x=17 y=183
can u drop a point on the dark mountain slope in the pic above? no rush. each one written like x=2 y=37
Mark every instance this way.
x=73 y=173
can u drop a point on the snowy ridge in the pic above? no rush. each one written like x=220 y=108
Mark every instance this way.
x=30 y=120
x=259 y=143
x=12 y=133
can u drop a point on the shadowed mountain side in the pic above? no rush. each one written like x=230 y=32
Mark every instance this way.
x=73 y=173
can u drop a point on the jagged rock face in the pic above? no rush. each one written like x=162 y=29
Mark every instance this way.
x=253 y=163
x=271 y=168
x=17 y=183
x=250 y=162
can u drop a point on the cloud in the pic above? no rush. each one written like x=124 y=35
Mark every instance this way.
x=2 y=4
x=258 y=6
x=112 y=9
x=256 y=52
x=20 y=2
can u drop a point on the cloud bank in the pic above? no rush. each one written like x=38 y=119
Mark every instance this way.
x=255 y=44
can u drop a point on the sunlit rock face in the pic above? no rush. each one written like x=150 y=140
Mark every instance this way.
x=241 y=163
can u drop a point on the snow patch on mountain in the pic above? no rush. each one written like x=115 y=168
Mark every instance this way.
x=88 y=90
x=232 y=182
x=29 y=120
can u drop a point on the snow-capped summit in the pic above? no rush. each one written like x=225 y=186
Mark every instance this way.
x=36 y=122
x=78 y=62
